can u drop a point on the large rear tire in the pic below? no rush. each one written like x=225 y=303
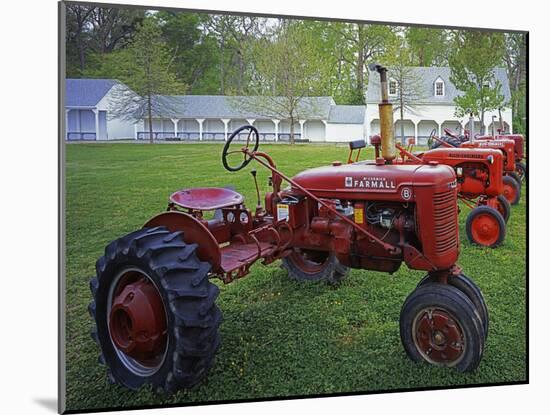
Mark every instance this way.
x=515 y=175
x=156 y=321
x=309 y=265
x=485 y=226
x=521 y=169
x=440 y=325
x=503 y=207
x=512 y=190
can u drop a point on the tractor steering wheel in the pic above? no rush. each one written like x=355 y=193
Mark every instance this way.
x=450 y=133
x=252 y=132
x=433 y=134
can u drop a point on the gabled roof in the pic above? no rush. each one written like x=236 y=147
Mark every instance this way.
x=347 y=114
x=86 y=92
x=221 y=106
x=427 y=75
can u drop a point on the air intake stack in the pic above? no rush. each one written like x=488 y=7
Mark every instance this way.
x=385 y=110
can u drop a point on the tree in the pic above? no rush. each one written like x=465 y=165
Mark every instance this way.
x=472 y=65
x=409 y=89
x=93 y=31
x=78 y=19
x=362 y=44
x=285 y=71
x=428 y=47
x=195 y=50
x=515 y=61
x=146 y=68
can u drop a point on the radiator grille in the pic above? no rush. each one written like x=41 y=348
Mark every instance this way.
x=445 y=227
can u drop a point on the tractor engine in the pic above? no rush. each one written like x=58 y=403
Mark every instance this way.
x=395 y=213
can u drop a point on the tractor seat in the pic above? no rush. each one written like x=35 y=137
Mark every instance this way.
x=206 y=198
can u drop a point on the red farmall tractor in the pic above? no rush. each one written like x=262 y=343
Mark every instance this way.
x=513 y=179
x=479 y=175
x=154 y=306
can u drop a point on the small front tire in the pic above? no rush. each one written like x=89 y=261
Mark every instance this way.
x=440 y=325
x=485 y=226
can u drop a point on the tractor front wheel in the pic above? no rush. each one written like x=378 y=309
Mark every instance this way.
x=485 y=226
x=512 y=190
x=472 y=291
x=440 y=325
x=154 y=310
x=309 y=265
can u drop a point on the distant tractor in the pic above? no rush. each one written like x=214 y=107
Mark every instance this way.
x=154 y=306
x=479 y=175
x=512 y=180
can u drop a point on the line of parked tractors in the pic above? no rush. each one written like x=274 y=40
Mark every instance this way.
x=154 y=306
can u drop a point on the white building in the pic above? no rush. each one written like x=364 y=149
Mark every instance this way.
x=87 y=104
x=204 y=117
x=435 y=110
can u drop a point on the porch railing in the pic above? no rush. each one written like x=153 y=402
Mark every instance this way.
x=210 y=136
x=81 y=135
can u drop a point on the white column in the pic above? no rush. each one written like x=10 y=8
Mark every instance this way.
x=250 y=121
x=325 y=123
x=96 y=113
x=302 y=122
x=438 y=130
x=136 y=131
x=175 y=121
x=200 y=121
x=415 y=132
x=66 y=124
x=225 y=125
x=276 y=122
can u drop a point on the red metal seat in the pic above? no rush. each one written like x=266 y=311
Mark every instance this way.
x=206 y=198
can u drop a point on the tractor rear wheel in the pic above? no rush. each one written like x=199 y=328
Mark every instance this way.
x=503 y=207
x=440 y=325
x=154 y=309
x=485 y=226
x=309 y=265
x=521 y=170
x=472 y=291
x=512 y=190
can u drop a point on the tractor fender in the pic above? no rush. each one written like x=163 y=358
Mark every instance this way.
x=193 y=232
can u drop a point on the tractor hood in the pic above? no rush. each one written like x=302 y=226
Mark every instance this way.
x=365 y=179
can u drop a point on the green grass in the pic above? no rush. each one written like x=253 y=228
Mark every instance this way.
x=279 y=337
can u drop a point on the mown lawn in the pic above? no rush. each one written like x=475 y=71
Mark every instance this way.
x=279 y=337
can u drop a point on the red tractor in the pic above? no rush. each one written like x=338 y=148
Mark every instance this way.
x=519 y=155
x=154 y=306
x=479 y=175
x=511 y=180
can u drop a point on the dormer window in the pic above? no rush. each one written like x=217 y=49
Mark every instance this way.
x=392 y=87
x=439 y=88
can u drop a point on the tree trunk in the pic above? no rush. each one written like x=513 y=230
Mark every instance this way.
x=482 y=122
x=150 y=116
x=359 y=72
x=292 y=141
x=222 y=69
x=402 y=124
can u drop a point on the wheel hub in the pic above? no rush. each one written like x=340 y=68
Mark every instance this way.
x=485 y=229
x=438 y=337
x=137 y=321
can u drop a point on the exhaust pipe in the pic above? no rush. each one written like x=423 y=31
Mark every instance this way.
x=385 y=111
